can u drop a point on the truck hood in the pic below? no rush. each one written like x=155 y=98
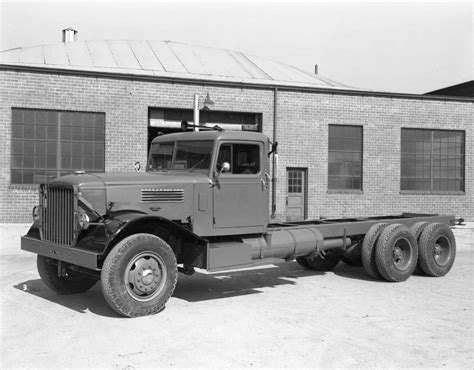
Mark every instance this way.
x=106 y=192
x=93 y=180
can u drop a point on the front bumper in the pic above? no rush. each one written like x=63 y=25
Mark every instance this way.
x=75 y=256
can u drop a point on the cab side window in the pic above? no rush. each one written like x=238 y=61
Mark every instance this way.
x=243 y=158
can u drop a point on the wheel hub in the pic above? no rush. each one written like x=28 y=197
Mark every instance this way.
x=147 y=277
x=144 y=277
x=402 y=254
x=397 y=253
x=442 y=251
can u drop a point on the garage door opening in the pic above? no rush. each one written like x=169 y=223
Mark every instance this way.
x=164 y=121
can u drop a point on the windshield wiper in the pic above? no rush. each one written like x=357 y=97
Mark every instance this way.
x=202 y=160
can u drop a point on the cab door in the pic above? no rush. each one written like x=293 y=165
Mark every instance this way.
x=240 y=196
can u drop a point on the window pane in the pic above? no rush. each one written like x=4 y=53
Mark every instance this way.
x=345 y=157
x=193 y=155
x=35 y=146
x=430 y=158
x=245 y=159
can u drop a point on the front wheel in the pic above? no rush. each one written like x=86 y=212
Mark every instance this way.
x=139 y=275
x=71 y=283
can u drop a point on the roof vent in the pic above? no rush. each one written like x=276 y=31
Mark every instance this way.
x=69 y=35
x=315 y=69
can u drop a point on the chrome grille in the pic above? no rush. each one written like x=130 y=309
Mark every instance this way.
x=162 y=195
x=58 y=205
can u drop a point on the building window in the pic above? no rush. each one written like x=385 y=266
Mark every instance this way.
x=345 y=157
x=295 y=181
x=432 y=160
x=47 y=144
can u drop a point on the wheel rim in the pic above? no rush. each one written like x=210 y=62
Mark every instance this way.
x=145 y=276
x=402 y=254
x=442 y=251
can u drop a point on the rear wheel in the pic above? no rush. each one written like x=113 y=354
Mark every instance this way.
x=71 y=283
x=324 y=262
x=352 y=260
x=368 y=250
x=437 y=249
x=139 y=275
x=396 y=253
x=417 y=230
x=302 y=262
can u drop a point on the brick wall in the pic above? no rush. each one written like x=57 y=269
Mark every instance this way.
x=302 y=132
x=304 y=129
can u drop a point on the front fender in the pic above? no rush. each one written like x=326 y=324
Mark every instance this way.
x=189 y=248
x=123 y=223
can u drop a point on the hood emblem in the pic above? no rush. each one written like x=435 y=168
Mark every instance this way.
x=152 y=195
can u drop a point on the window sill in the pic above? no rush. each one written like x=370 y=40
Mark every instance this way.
x=421 y=192
x=23 y=187
x=345 y=191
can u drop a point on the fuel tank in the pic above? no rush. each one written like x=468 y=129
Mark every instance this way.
x=282 y=244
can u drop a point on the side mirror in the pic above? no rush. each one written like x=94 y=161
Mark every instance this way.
x=137 y=166
x=225 y=167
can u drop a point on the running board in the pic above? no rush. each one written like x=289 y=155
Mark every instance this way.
x=254 y=263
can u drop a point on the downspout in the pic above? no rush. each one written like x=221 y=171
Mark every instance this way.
x=196 y=112
x=275 y=154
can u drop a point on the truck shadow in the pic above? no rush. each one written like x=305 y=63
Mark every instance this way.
x=352 y=272
x=203 y=286
x=92 y=300
x=198 y=287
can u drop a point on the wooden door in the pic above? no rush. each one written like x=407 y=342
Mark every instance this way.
x=296 y=194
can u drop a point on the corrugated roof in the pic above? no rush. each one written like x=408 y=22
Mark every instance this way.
x=165 y=59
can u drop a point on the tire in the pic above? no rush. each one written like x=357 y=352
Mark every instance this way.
x=303 y=263
x=139 y=275
x=417 y=230
x=72 y=283
x=368 y=250
x=352 y=260
x=437 y=249
x=320 y=263
x=396 y=253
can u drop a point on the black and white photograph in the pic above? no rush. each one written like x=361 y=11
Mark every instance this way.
x=236 y=184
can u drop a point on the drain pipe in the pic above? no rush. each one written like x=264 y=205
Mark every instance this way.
x=275 y=154
x=196 y=112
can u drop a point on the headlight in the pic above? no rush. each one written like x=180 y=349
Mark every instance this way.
x=84 y=220
x=35 y=213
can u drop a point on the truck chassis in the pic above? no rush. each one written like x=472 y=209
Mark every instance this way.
x=146 y=265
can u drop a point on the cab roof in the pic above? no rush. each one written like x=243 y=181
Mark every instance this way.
x=213 y=135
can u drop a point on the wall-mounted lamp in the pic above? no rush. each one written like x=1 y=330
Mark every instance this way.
x=208 y=103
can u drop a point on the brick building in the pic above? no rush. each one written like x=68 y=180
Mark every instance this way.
x=342 y=151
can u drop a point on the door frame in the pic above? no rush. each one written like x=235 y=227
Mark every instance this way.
x=305 y=189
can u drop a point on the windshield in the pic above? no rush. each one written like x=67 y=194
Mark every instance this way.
x=181 y=156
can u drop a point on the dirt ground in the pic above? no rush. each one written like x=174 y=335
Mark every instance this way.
x=270 y=317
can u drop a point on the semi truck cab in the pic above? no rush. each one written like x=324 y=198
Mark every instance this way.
x=235 y=198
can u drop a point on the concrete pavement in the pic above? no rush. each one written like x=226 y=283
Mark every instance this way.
x=270 y=317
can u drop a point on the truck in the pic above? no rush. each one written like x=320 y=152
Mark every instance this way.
x=204 y=202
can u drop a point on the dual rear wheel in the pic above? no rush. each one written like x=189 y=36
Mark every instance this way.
x=392 y=252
